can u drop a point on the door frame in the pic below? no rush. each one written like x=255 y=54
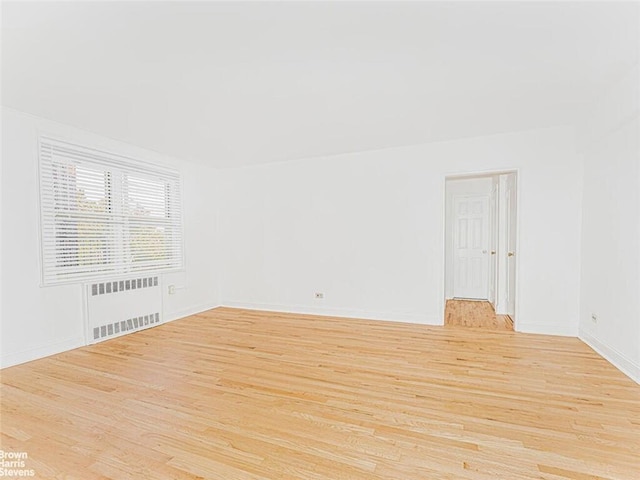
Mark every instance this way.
x=494 y=203
x=470 y=174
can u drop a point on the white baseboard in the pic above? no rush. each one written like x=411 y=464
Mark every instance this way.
x=627 y=366
x=546 y=329
x=23 y=356
x=338 y=312
x=185 y=312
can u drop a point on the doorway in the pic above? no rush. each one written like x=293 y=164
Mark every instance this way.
x=480 y=250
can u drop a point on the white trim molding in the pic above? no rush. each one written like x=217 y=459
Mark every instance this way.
x=185 y=312
x=546 y=329
x=627 y=366
x=30 y=354
x=339 y=312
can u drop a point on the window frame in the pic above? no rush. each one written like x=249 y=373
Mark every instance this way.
x=115 y=166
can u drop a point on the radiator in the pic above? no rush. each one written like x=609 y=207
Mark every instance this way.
x=119 y=307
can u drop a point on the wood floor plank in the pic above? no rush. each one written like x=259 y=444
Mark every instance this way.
x=240 y=394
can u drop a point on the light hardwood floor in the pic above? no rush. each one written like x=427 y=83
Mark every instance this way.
x=235 y=394
x=476 y=314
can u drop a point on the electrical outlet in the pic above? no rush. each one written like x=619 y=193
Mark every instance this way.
x=319 y=295
x=594 y=318
x=172 y=289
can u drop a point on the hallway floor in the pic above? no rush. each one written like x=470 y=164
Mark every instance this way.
x=475 y=313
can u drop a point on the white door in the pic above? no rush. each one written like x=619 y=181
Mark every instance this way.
x=510 y=198
x=470 y=238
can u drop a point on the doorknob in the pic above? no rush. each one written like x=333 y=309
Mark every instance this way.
x=493 y=252
x=510 y=254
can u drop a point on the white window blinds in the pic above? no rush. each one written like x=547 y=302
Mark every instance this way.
x=104 y=214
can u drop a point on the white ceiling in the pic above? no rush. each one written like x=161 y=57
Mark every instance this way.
x=242 y=83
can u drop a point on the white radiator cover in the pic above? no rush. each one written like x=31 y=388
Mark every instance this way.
x=118 y=307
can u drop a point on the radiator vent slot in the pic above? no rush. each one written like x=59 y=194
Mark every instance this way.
x=123 y=326
x=119 y=307
x=116 y=286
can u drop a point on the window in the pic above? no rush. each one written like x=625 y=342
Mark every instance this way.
x=104 y=214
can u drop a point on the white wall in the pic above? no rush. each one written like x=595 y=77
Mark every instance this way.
x=610 y=286
x=468 y=186
x=1 y=226
x=367 y=230
x=40 y=321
